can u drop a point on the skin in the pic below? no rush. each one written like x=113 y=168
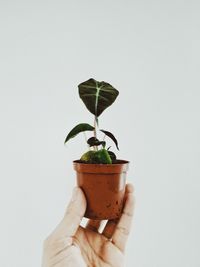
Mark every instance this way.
x=71 y=245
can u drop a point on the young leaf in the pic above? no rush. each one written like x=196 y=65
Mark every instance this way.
x=102 y=157
x=112 y=156
x=109 y=134
x=82 y=127
x=97 y=96
x=93 y=141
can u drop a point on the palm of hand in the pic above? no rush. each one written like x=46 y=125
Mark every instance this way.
x=97 y=250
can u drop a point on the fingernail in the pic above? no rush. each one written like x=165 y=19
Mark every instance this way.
x=74 y=194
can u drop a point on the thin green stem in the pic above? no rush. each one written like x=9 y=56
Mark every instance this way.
x=95 y=132
x=95 y=128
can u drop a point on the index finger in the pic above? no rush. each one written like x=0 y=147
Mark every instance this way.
x=73 y=215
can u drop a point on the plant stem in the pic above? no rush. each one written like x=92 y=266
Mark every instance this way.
x=95 y=128
x=95 y=132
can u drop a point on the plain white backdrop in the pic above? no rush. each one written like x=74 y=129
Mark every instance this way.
x=148 y=50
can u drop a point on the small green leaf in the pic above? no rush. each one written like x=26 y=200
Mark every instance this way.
x=109 y=134
x=82 y=127
x=97 y=96
x=102 y=157
x=93 y=141
x=112 y=156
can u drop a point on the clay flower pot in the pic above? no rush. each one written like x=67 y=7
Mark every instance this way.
x=104 y=187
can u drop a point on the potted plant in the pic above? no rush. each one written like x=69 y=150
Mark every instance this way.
x=99 y=173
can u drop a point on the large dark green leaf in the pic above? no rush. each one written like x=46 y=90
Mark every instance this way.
x=109 y=134
x=97 y=96
x=82 y=127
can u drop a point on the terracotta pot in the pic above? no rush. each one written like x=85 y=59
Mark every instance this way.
x=104 y=187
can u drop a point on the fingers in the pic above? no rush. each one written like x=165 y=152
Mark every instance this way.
x=93 y=225
x=129 y=188
x=112 y=255
x=111 y=225
x=73 y=216
x=122 y=229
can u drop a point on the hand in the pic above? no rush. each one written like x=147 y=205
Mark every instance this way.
x=71 y=245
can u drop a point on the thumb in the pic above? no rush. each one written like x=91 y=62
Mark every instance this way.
x=73 y=215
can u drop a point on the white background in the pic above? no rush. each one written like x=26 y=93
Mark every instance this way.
x=148 y=50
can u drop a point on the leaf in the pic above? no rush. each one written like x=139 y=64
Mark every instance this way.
x=112 y=156
x=102 y=157
x=109 y=134
x=82 y=127
x=93 y=141
x=97 y=96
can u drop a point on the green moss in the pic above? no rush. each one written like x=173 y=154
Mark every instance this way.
x=101 y=157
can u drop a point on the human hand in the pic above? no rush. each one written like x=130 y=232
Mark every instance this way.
x=71 y=245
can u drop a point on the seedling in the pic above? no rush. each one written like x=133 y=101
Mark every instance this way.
x=97 y=96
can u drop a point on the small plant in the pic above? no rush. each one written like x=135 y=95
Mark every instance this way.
x=97 y=96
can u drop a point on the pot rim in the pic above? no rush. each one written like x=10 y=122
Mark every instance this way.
x=119 y=162
x=119 y=167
